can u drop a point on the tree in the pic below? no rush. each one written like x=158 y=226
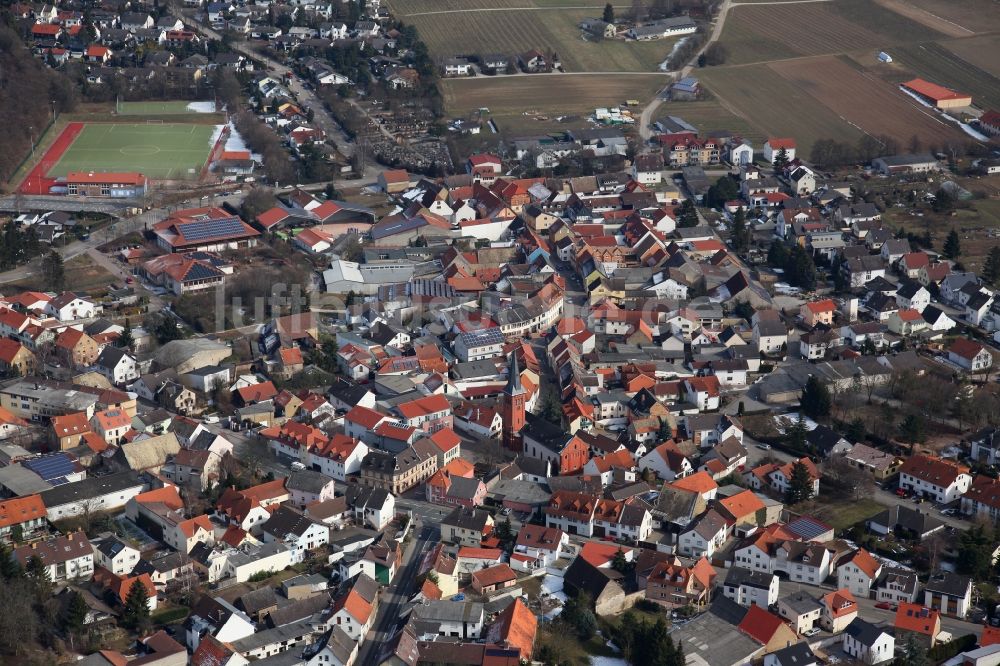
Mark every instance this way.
x=136 y=612
x=800 y=269
x=911 y=430
x=578 y=614
x=855 y=431
x=781 y=160
x=609 y=13
x=991 y=268
x=38 y=574
x=75 y=614
x=944 y=201
x=952 y=245
x=913 y=654
x=800 y=487
x=619 y=563
x=795 y=435
x=740 y=234
x=551 y=409
x=777 y=255
x=815 y=402
x=687 y=216
x=975 y=548
x=722 y=191
x=126 y=340
x=53 y=271
x=663 y=433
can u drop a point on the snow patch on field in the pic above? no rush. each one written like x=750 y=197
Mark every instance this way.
x=201 y=107
x=665 y=65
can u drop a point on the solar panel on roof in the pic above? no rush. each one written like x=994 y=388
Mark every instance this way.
x=50 y=467
x=488 y=336
x=202 y=229
x=807 y=529
x=200 y=272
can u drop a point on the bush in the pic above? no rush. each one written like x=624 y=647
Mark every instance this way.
x=260 y=575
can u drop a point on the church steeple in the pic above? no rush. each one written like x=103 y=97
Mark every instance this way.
x=514 y=377
x=512 y=406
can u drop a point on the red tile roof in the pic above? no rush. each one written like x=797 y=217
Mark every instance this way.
x=91 y=178
x=257 y=392
x=516 y=627
x=840 y=603
x=936 y=471
x=760 y=625
x=424 y=406
x=863 y=560
x=19 y=510
x=817 y=307
x=932 y=90
x=918 y=619
x=967 y=349
x=699 y=482
x=778 y=144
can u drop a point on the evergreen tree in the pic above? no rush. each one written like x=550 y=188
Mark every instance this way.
x=781 y=160
x=991 y=269
x=913 y=654
x=777 y=255
x=856 y=430
x=75 y=614
x=800 y=269
x=975 y=552
x=740 y=234
x=911 y=430
x=816 y=401
x=9 y=568
x=38 y=573
x=663 y=432
x=687 y=215
x=136 y=613
x=800 y=487
x=53 y=271
x=796 y=435
x=618 y=562
x=578 y=614
x=609 y=13
x=126 y=340
x=952 y=245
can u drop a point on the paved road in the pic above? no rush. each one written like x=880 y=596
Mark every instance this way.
x=646 y=117
x=397 y=594
x=334 y=131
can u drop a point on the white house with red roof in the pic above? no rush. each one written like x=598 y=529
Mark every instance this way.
x=704 y=392
x=666 y=461
x=483 y=167
x=774 y=145
x=858 y=572
x=818 y=312
x=360 y=422
x=942 y=480
x=537 y=547
x=429 y=413
x=970 y=355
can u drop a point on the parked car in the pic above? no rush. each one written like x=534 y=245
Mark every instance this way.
x=901 y=492
x=885 y=605
x=811 y=632
x=766 y=447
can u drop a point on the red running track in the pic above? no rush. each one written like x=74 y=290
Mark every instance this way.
x=37 y=181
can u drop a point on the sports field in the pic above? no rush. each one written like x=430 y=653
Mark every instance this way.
x=158 y=150
x=164 y=108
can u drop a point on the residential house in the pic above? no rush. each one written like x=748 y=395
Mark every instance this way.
x=858 y=572
x=839 y=610
x=868 y=643
x=748 y=588
x=949 y=593
x=64 y=557
x=942 y=480
x=919 y=622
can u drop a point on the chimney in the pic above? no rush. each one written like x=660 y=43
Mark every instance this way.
x=34 y=546
x=69 y=537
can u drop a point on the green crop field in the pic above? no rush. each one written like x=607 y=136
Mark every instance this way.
x=158 y=150
x=157 y=108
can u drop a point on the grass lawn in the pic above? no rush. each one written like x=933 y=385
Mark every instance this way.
x=978 y=227
x=156 y=150
x=156 y=108
x=846 y=513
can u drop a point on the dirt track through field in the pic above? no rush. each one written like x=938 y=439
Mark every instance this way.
x=924 y=17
